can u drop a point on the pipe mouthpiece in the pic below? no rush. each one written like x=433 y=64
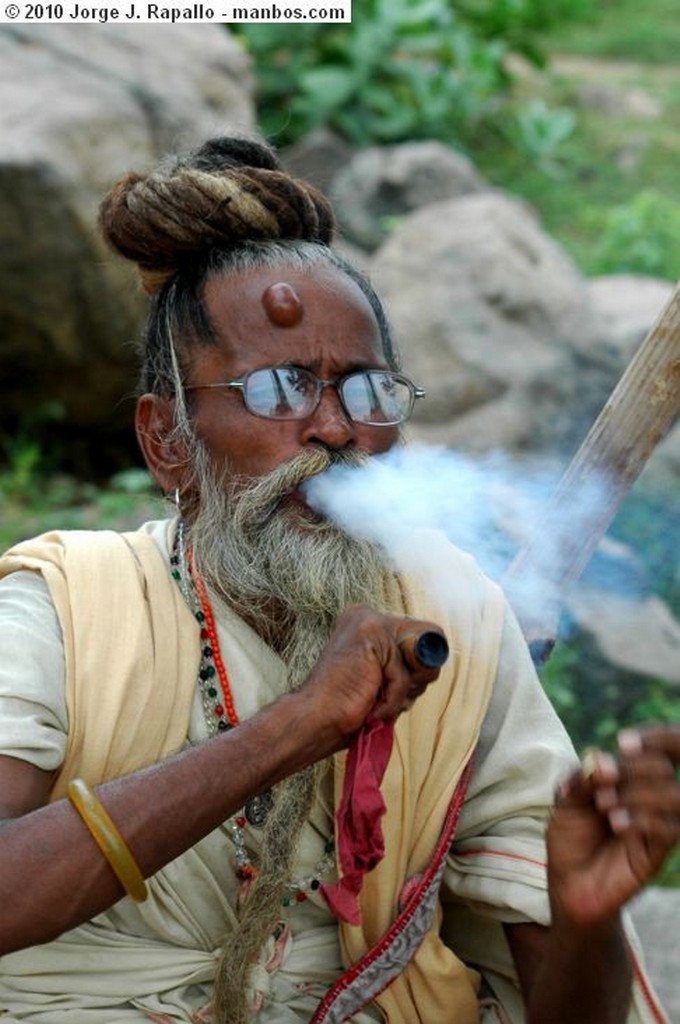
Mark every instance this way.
x=428 y=649
x=431 y=649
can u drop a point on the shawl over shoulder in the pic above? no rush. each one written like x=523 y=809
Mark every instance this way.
x=131 y=647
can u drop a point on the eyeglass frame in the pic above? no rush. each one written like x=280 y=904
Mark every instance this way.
x=239 y=384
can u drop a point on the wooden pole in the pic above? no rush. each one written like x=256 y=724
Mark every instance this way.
x=635 y=418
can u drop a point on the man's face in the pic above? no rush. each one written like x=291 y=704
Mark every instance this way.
x=337 y=333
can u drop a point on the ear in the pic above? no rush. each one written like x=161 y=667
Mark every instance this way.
x=165 y=456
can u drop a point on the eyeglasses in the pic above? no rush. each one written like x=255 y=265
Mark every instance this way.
x=379 y=398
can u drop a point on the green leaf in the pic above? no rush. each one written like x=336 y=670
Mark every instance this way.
x=330 y=86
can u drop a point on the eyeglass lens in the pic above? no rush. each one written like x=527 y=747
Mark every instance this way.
x=289 y=392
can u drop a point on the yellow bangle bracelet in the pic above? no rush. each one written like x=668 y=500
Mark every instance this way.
x=108 y=839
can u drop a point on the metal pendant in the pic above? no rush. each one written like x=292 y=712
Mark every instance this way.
x=257 y=809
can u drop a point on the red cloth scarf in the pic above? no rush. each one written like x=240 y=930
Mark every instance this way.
x=361 y=844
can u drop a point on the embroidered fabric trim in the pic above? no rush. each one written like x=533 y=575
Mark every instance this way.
x=390 y=956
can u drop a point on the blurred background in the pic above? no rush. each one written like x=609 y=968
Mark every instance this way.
x=504 y=170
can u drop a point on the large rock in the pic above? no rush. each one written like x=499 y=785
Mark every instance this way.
x=655 y=914
x=628 y=305
x=496 y=323
x=515 y=348
x=629 y=628
x=634 y=634
x=82 y=104
x=382 y=183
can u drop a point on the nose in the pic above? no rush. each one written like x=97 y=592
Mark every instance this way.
x=329 y=424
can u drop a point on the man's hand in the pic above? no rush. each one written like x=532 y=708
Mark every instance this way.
x=614 y=823
x=365 y=669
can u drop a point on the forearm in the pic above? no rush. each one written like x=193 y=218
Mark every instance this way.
x=613 y=823
x=167 y=808
x=160 y=811
x=583 y=974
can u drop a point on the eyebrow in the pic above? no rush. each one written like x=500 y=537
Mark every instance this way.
x=314 y=365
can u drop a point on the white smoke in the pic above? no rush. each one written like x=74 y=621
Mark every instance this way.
x=488 y=506
x=417 y=487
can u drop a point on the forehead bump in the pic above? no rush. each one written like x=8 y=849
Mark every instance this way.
x=282 y=304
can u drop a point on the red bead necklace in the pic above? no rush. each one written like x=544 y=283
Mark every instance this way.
x=209 y=633
x=255 y=811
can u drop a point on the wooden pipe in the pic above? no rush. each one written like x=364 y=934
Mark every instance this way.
x=635 y=418
x=424 y=650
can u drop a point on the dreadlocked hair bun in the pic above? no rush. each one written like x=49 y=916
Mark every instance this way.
x=230 y=190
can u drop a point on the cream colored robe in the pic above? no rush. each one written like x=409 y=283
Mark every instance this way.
x=151 y=648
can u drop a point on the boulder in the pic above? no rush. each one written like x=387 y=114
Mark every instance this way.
x=382 y=183
x=495 y=321
x=627 y=306
x=633 y=634
x=82 y=105
x=628 y=626
x=655 y=914
x=515 y=348
x=619 y=101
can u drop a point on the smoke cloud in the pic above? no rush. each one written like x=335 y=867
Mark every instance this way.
x=488 y=506
x=412 y=488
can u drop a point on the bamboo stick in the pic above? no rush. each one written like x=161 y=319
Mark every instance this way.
x=635 y=418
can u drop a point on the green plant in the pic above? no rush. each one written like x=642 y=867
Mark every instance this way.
x=403 y=69
x=23 y=458
x=669 y=875
x=627 y=29
x=133 y=480
x=593 y=715
x=35 y=502
x=640 y=236
x=23 y=461
x=614 y=152
x=648 y=522
x=540 y=131
x=596 y=701
x=518 y=21
x=658 y=705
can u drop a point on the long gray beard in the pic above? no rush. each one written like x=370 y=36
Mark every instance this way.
x=290 y=577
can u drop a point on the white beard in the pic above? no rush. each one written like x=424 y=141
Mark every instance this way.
x=290 y=576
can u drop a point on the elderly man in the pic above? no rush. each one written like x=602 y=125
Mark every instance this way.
x=185 y=836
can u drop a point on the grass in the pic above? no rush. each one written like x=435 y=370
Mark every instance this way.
x=624 y=30
x=609 y=194
x=34 y=504
x=594 y=716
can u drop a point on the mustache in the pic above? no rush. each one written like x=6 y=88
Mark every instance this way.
x=257 y=501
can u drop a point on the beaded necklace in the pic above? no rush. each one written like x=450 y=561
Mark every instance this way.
x=221 y=715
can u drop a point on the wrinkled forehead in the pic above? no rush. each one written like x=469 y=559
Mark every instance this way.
x=292 y=309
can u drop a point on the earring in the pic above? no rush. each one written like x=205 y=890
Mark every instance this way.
x=177 y=498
